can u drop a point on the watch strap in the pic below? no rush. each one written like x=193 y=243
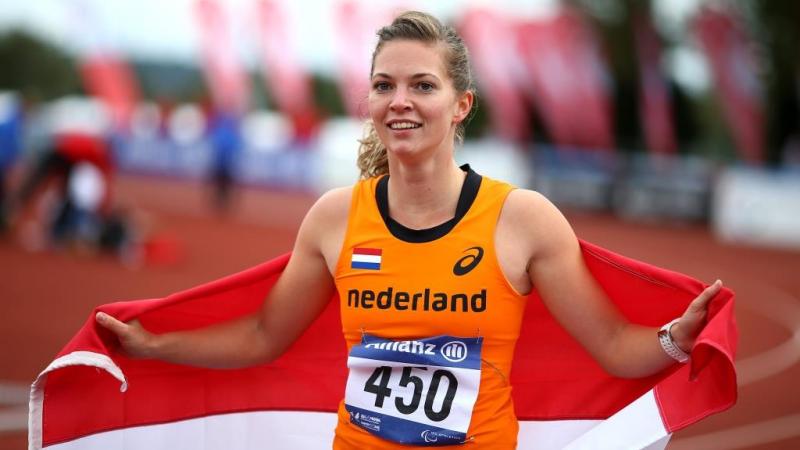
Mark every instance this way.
x=668 y=344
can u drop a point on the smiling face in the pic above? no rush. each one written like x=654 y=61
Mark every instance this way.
x=412 y=102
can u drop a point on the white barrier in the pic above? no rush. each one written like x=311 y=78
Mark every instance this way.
x=758 y=207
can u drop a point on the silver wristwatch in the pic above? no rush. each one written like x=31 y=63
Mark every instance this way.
x=668 y=344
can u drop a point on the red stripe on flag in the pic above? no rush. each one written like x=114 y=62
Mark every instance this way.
x=367 y=251
x=711 y=371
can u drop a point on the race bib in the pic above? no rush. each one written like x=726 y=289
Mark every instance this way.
x=416 y=392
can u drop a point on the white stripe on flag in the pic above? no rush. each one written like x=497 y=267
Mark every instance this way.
x=551 y=435
x=637 y=426
x=314 y=431
x=239 y=431
x=376 y=259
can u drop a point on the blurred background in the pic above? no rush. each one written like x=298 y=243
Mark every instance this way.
x=148 y=146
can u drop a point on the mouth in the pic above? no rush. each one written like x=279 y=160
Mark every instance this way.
x=403 y=125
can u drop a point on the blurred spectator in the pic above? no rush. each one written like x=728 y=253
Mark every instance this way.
x=11 y=121
x=225 y=136
x=791 y=151
x=77 y=170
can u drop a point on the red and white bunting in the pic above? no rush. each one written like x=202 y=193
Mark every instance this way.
x=734 y=68
x=225 y=75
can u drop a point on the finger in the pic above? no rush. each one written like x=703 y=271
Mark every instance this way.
x=110 y=323
x=700 y=304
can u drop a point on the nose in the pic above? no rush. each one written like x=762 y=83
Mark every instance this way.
x=400 y=101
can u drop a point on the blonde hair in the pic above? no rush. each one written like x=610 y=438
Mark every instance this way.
x=415 y=26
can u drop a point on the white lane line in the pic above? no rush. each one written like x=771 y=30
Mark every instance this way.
x=14 y=419
x=13 y=406
x=745 y=436
x=14 y=393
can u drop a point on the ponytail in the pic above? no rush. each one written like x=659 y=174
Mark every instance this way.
x=372 y=160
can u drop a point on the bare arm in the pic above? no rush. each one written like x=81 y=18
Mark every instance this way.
x=298 y=297
x=556 y=268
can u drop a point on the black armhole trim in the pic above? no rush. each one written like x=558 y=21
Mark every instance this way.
x=469 y=191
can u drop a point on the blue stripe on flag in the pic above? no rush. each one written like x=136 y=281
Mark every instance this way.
x=365 y=265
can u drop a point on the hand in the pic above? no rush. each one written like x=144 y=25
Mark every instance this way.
x=135 y=340
x=693 y=319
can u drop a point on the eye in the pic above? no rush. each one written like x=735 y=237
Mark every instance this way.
x=424 y=86
x=381 y=86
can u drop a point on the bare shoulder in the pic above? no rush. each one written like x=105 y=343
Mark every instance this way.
x=535 y=220
x=332 y=207
x=325 y=225
x=528 y=208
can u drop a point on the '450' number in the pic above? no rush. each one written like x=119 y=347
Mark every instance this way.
x=378 y=384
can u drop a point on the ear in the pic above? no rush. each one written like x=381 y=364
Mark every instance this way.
x=463 y=106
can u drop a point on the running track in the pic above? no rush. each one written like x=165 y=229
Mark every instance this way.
x=46 y=297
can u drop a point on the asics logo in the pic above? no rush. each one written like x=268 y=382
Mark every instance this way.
x=469 y=261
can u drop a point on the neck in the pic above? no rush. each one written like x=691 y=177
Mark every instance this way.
x=425 y=195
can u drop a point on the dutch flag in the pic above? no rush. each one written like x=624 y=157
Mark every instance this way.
x=366 y=258
x=76 y=402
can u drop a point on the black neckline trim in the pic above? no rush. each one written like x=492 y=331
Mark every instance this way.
x=469 y=191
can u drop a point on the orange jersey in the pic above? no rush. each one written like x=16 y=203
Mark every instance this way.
x=403 y=284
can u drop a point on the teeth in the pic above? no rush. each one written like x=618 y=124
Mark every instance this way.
x=403 y=125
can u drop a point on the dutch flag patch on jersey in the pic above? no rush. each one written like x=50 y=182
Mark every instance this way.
x=366 y=258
